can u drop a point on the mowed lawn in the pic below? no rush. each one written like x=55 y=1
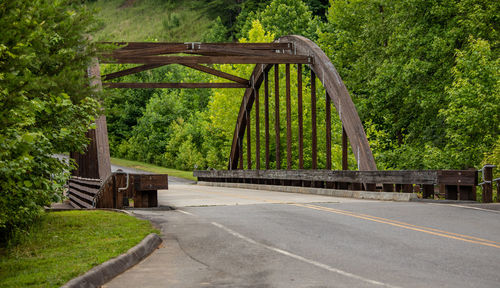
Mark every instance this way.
x=64 y=245
x=153 y=168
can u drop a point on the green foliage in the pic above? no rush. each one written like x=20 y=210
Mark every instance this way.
x=397 y=59
x=318 y=7
x=473 y=122
x=284 y=17
x=64 y=245
x=45 y=105
x=217 y=33
x=493 y=157
x=141 y=121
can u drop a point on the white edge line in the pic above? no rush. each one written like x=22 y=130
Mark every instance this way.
x=467 y=207
x=185 y=212
x=312 y=262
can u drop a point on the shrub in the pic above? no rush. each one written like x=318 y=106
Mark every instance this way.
x=45 y=105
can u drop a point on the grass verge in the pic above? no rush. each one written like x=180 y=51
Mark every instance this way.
x=153 y=168
x=64 y=245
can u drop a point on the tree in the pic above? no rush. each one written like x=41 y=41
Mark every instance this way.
x=284 y=17
x=472 y=114
x=397 y=58
x=46 y=105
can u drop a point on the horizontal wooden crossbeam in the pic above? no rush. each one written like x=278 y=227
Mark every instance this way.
x=175 y=85
x=193 y=45
x=277 y=59
x=131 y=71
x=213 y=50
x=154 y=55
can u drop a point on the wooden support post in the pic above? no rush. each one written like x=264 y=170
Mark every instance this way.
x=356 y=186
x=288 y=120
x=451 y=192
x=249 y=143
x=313 y=121
x=370 y=186
x=407 y=188
x=95 y=163
x=328 y=115
x=240 y=154
x=487 y=183
x=497 y=180
x=345 y=164
x=388 y=187
x=266 y=114
x=300 y=116
x=277 y=113
x=428 y=191
x=257 y=129
x=467 y=192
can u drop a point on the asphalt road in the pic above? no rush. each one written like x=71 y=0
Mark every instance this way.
x=227 y=237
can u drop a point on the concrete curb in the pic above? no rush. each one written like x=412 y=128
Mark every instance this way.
x=101 y=274
x=385 y=196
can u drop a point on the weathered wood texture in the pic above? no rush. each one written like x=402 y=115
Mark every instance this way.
x=404 y=181
x=81 y=191
x=272 y=59
x=190 y=46
x=116 y=190
x=95 y=163
x=487 y=183
x=175 y=85
x=300 y=116
x=147 y=182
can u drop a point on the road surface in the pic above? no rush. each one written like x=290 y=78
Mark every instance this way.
x=227 y=237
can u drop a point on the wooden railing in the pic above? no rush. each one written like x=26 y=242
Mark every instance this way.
x=453 y=184
x=117 y=190
x=82 y=191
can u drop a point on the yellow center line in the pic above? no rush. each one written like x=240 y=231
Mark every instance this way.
x=409 y=227
x=428 y=230
x=408 y=224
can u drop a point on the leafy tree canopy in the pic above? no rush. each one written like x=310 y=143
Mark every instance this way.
x=284 y=17
x=46 y=105
x=397 y=59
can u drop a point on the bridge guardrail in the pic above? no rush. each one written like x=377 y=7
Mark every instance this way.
x=453 y=184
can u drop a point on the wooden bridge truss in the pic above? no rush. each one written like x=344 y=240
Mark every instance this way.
x=267 y=57
x=287 y=50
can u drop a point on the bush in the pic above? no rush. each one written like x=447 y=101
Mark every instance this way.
x=46 y=106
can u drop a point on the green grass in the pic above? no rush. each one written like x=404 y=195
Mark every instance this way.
x=67 y=244
x=153 y=168
x=150 y=20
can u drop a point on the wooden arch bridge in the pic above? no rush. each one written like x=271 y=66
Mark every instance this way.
x=287 y=50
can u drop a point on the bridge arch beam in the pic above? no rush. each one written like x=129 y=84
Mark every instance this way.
x=335 y=88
